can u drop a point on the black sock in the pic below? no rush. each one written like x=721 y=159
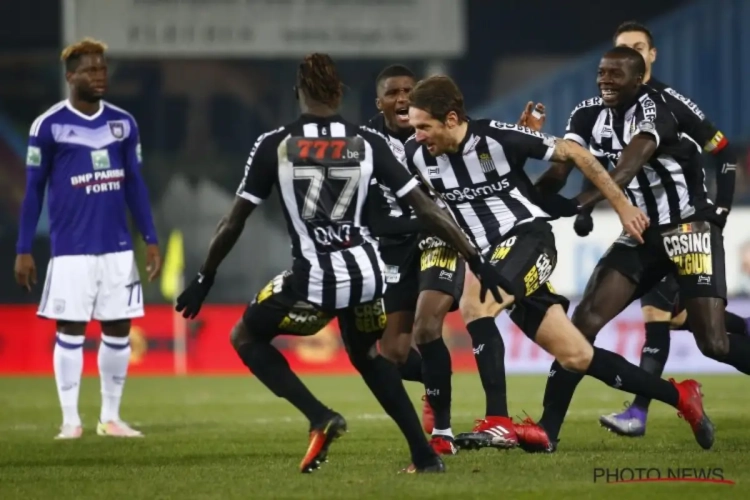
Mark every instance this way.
x=436 y=372
x=412 y=369
x=615 y=371
x=561 y=385
x=654 y=355
x=384 y=380
x=489 y=351
x=735 y=324
x=272 y=369
x=739 y=353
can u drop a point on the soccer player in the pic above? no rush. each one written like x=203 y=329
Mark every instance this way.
x=322 y=166
x=476 y=167
x=88 y=153
x=661 y=168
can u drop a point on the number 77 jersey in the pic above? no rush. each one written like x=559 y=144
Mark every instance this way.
x=322 y=167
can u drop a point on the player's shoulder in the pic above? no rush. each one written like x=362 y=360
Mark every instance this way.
x=498 y=129
x=371 y=134
x=44 y=119
x=673 y=99
x=117 y=112
x=377 y=122
x=411 y=146
x=274 y=137
x=591 y=106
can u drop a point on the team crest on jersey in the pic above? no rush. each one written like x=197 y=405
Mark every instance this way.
x=485 y=160
x=117 y=129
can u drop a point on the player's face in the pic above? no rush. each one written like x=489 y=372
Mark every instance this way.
x=617 y=81
x=437 y=136
x=90 y=77
x=393 y=101
x=637 y=40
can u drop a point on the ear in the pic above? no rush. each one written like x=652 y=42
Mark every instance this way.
x=378 y=104
x=652 y=53
x=451 y=119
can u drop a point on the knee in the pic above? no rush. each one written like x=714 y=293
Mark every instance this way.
x=578 y=359
x=240 y=335
x=714 y=346
x=362 y=357
x=652 y=314
x=120 y=328
x=588 y=320
x=395 y=352
x=427 y=327
x=472 y=309
x=72 y=328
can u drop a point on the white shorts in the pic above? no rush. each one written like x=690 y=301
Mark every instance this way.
x=84 y=287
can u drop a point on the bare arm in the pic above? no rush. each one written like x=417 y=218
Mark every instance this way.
x=632 y=159
x=227 y=233
x=439 y=223
x=553 y=179
x=593 y=170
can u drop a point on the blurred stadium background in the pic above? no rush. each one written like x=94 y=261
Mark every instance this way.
x=205 y=78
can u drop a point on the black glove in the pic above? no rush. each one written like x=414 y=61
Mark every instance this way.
x=558 y=206
x=191 y=299
x=584 y=224
x=489 y=277
x=719 y=217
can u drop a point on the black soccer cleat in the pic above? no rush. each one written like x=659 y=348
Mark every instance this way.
x=433 y=466
x=321 y=437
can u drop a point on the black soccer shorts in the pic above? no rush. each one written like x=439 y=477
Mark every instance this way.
x=692 y=251
x=401 y=276
x=526 y=258
x=278 y=310
x=441 y=269
x=664 y=296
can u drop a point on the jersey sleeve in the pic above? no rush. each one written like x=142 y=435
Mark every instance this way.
x=136 y=192
x=580 y=123
x=39 y=154
x=655 y=119
x=260 y=170
x=691 y=119
x=389 y=170
x=523 y=141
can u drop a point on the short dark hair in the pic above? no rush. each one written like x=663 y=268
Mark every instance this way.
x=629 y=26
x=438 y=95
x=318 y=77
x=392 y=71
x=631 y=55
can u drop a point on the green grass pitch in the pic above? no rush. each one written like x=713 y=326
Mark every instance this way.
x=226 y=438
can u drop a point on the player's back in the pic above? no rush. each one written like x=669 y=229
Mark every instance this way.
x=85 y=160
x=323 y=167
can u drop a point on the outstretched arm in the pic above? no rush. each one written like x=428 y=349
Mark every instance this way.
x=227 y=233
x=632 y=159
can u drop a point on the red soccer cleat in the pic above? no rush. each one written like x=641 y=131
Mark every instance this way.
x=690 y=408
x=490 y=432
x=532 y=438
x=321 y=438
x=428 y=416
x=443 y=445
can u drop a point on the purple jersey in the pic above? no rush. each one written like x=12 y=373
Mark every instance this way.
x=92 y=167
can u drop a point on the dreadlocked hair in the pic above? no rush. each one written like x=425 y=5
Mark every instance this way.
x=318 y=77
x=72 y=54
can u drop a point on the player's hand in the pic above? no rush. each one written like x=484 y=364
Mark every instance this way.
x=559 y=206
x=153 y=262
x=584 y=224
x=25 y=270
x=533 y=116
x=190 y=301
x=719 y=217
x=634 y=221
x=487 y=276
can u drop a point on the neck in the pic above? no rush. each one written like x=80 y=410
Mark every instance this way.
x=647 y=76
x=459 y=135
x=317 y=109
x=400 y=133
x=85 y=107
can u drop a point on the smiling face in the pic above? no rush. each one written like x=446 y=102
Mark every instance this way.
x=618 y=81
x=393 y=101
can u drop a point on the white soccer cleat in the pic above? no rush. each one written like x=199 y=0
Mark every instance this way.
x=117 y=429
x=68 y=431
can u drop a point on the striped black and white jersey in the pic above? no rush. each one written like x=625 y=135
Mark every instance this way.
x=395 y=216
x=483 y=183
x=322 y=167
x=670 y=187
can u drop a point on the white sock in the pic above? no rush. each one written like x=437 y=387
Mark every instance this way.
x=442 y=432
x=68 y=365
x=114 y=357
